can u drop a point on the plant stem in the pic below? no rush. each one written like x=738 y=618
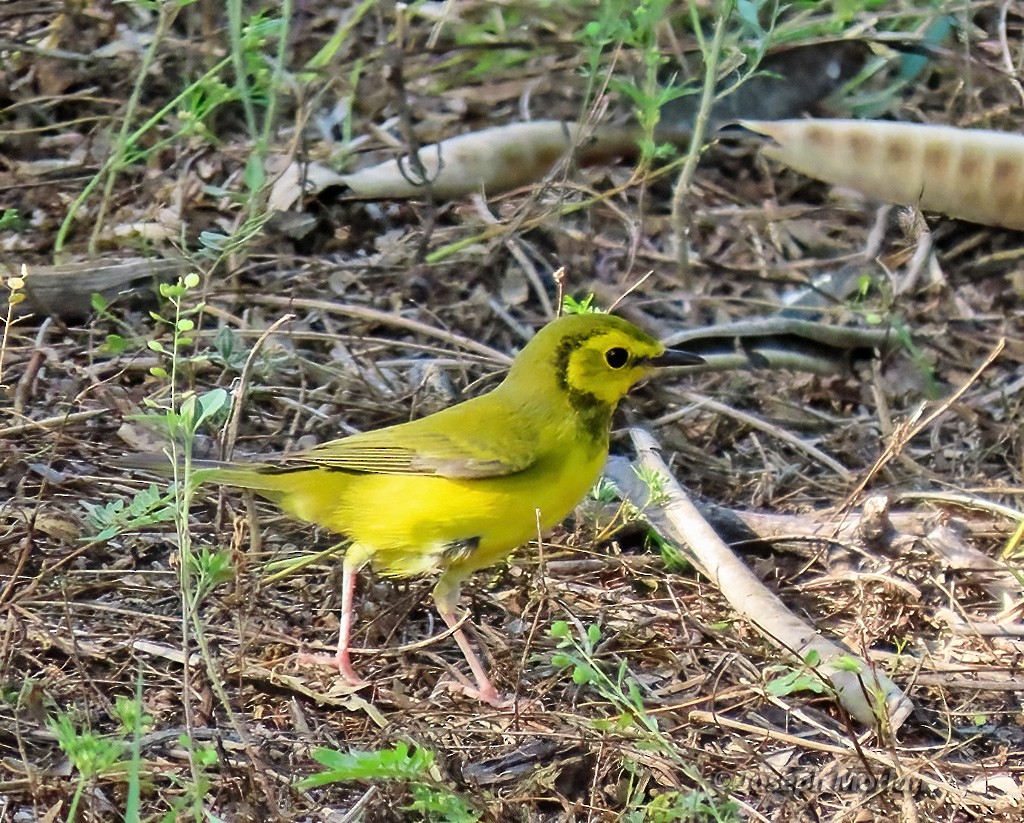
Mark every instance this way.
x=168 y=11
x=680 y=214
x=115 y=160
x=238 y=59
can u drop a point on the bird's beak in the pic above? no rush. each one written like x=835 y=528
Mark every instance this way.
x=675 y=357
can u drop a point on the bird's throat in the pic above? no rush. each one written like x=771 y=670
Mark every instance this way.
x=593 y=418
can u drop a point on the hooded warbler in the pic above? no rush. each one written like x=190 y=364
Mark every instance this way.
x=458 y=490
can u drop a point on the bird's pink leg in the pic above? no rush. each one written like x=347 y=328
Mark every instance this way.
x=348 y=588
x=446 y=597
x=341 y=659
x=484 y=691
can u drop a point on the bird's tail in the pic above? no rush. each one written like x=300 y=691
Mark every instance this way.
x=262 y=478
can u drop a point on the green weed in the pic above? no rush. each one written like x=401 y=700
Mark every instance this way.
x=633 y=26
x=577 y=654
x=149 y=507
x=803 y=679
x=570 y=305
x=674 y=559
x=15 y=295
x=683 y=807
x=11 y=220
x=188 y=115
x=179 y=417
x=194 y=790
x=431 y=800
x=94 y=756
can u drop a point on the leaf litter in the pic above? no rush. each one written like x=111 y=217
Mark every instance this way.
x=652 y=696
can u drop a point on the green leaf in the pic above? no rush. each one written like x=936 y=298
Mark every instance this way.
x=148 y=507
x=211 y=403
x=796 y=682
x=212 y=568
x=187 y=411
x=434 y=803
x=255 y=176
x=206 y=756
x=129 y=713
x=89 y=753
x=215 y=241
x=848 y=663
x=397 y=763
x=10 y=220
x=585 y=306
x=748 y=13
x=115 y=344
x=561 y=660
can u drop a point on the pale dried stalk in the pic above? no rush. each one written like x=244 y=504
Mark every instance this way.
x=864 y=693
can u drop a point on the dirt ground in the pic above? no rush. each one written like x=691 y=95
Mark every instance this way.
x=350 y=314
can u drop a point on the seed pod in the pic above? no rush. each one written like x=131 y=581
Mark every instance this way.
x=970 y=174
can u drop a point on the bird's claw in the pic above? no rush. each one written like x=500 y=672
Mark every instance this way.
x=488 y=696
x=344 y=668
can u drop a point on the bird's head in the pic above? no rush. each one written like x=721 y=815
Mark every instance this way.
x=594 y=358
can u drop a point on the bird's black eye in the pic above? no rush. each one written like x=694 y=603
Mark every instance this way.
x=616 y=358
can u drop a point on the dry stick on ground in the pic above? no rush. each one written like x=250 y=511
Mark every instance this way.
x=242 y=385
x=66 y=291
x=862 y=692
x=387 y=318
x=921 y=768
x=57 y=422
x=909 y=429
x=714 y=406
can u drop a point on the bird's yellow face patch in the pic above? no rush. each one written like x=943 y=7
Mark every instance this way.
x=605 y=365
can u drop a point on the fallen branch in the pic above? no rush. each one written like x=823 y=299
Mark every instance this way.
x=862 y=690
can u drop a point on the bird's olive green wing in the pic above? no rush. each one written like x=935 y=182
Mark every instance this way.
x=447 y=445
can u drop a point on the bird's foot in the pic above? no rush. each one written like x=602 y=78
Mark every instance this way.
x=335 y=661
x=488 y=695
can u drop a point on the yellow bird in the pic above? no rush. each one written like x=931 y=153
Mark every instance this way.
x=459 y=490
